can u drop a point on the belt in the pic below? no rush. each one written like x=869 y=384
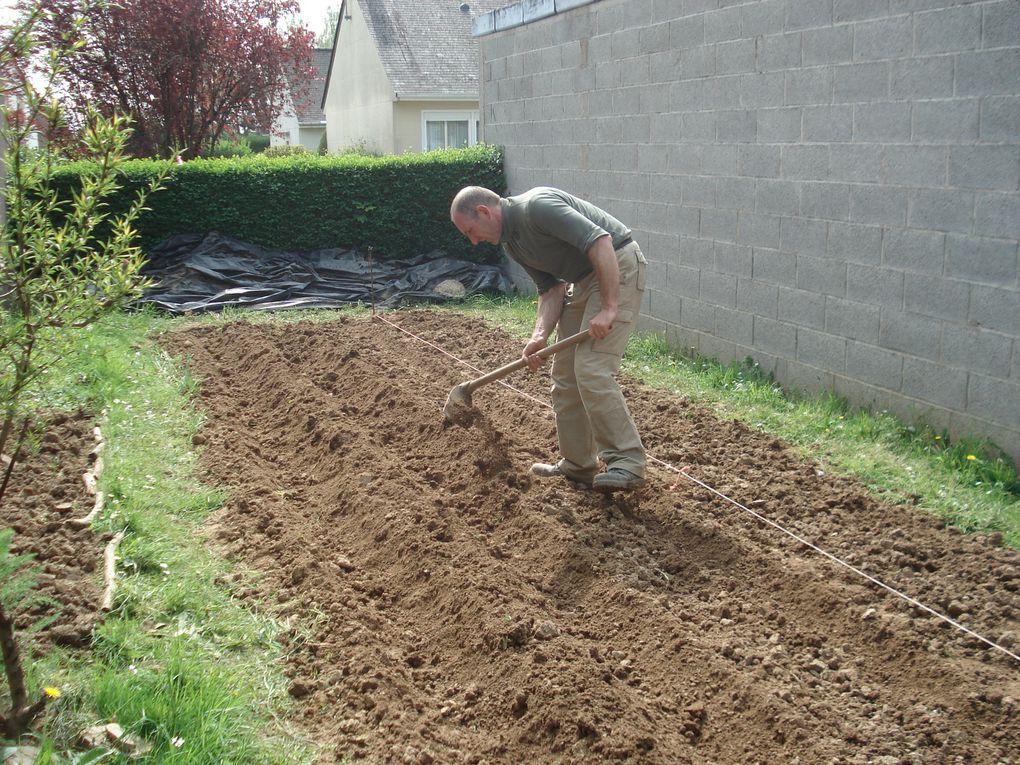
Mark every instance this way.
x=624 y=243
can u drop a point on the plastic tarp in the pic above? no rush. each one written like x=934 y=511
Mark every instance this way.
x=195 y=273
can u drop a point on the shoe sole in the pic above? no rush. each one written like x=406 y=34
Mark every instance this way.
x=609 y=488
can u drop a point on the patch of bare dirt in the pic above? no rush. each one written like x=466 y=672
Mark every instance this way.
x=447 y=607
x=45 y=492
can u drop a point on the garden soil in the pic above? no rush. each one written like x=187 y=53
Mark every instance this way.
x=441 y=605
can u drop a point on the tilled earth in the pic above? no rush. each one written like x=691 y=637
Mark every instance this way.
x=447 y=607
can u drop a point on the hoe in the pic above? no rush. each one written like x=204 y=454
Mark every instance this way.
x=459 y=410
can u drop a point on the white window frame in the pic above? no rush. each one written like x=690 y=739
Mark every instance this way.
x=443 y=115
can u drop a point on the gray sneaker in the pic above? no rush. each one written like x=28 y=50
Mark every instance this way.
x=545 y=470
x=617 y=479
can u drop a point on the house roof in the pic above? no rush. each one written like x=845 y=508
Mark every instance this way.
x=426 y=46
x=308 y=103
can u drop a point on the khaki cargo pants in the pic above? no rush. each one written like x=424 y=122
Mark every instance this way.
x=592 y=419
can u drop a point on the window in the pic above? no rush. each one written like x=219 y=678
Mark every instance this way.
x=449 y=130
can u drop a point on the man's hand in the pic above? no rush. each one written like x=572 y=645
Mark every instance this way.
x=602 y=323
x=534 y=346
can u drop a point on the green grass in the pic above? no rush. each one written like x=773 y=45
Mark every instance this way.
x=968 y=482
x=179 y=662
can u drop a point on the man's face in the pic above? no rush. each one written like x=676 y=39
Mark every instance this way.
x=483 y=226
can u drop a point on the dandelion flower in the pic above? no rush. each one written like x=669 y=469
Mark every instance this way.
x=52 y=693
x=971 y=457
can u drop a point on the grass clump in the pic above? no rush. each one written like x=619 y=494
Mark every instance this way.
x=969 y=482
x=178 y=663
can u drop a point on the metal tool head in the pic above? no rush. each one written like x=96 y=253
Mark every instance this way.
x=458 y=409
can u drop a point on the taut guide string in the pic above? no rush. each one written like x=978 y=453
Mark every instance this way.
x=683 y=473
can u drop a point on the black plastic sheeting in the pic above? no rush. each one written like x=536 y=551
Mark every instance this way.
x=208 y=273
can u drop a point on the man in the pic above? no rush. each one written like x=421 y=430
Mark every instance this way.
x=589 y=273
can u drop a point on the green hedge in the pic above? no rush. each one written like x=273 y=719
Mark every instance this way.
x=399 y=205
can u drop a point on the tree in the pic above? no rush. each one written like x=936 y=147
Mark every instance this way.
x=328 y=34
x=63 y=263
x=185 y=71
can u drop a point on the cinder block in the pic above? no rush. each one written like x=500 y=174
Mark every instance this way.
x=758 y=230
x=735 y=193
x=1001 y=24
x=828 y=201
x=699 y=127
x=735 y=56
x=1000 y=118
x=995 y=400
x=736 y=126
x=997 y=215
x=808 y=86
x=918 y=78
x=775 y=337
x=853 y=320
x=774 y=266
x=946 y=121
x=988 y=73
x=996 y=309
x=948 y=30
x=916 y=335
x=723 y=93
x=757 y=19
x=806 y=378
x=697 y=253
x=822 y=275
x=919 y=251
x=762 y=90
x=719 y=225
x=801 y=236
x=883 y=39
x=683 y=281
x=828 y=45
x=991 y=261
x=779 y=125
x=875 y=366
x=698 y=191
x=719 y=159
x=886 y=122
x=760 y=298
x=759 y=161
x=915 y=165
x=698 y=62
x=777 y=198
x=719 y=289
x=828 y=124
x=977 y=349
x=855 y=162
x=860 y=82
x=986 y=167
x=653 y=38
x=878 y=205
x=734 y=325
x=821 y=349
x=940 y=210
x=935 y=383
x=856 y=10
x=687 y=32
x=875 y=285
x=803 y=308
x=808 y=163
x=776 y=52
x=722 y=25
x=802 y=14
x=699 y=315
x=733 y=259
x=855 y=243
x=665 y=305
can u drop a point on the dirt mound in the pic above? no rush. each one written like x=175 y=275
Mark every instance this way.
x=447 y=607
x=45 y=492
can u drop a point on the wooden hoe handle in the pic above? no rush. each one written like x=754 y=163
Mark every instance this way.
x=549 y=350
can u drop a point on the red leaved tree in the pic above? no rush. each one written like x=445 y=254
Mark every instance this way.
x=184 y=70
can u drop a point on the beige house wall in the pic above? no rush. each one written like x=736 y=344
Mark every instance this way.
x=407 y=120
x=359 y=104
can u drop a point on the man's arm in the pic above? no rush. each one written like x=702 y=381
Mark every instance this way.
x=550 y=308
x=607 y=270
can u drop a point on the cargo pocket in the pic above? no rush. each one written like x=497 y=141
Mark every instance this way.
x=616 y=342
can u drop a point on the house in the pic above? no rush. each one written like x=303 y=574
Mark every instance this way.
x=302 y=122
x=404 y=75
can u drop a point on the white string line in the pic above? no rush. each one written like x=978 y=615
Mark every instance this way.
x=913 y=601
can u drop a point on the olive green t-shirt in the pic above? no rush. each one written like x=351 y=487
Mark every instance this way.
x=549 y=232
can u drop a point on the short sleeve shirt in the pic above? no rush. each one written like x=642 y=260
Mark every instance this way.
x=549 y=232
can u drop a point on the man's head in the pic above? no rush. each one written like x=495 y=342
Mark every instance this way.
x=476 y=213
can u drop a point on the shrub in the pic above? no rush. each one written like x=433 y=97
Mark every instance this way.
x=230 y=149
x=399 y=204
x=284 y=151
x=258 y=142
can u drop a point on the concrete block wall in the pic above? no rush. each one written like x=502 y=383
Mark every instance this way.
x=831 y=187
